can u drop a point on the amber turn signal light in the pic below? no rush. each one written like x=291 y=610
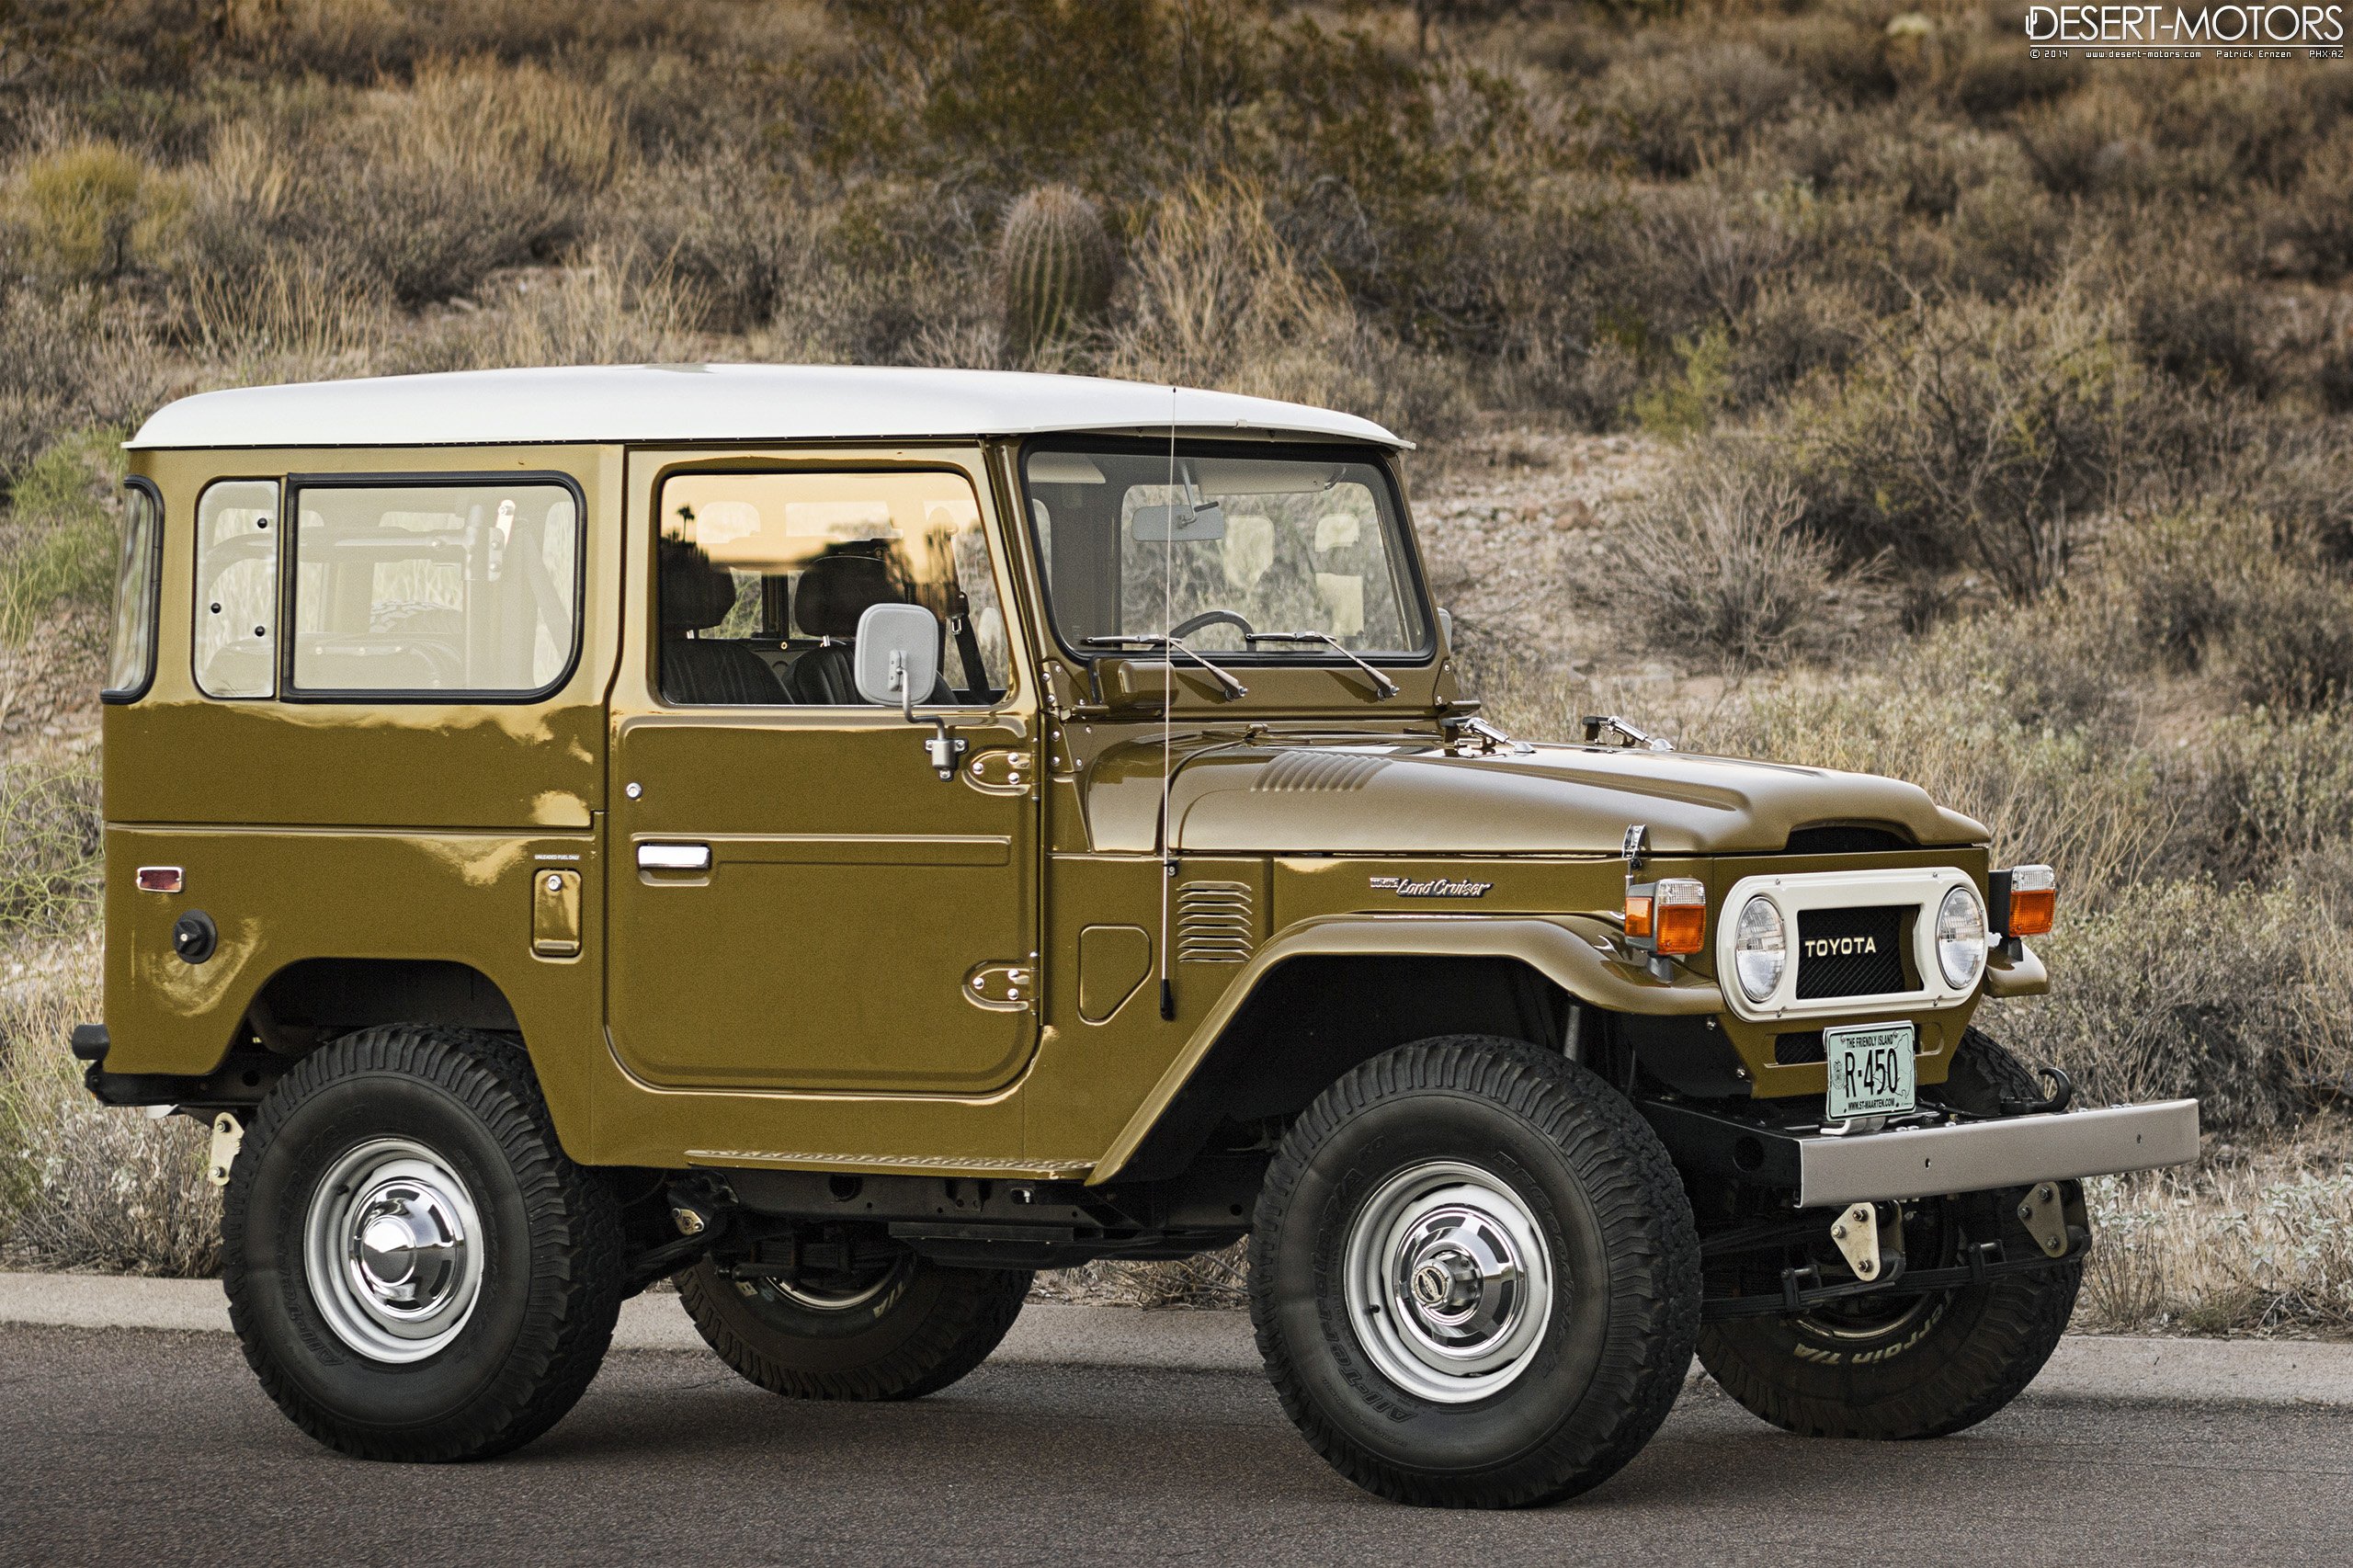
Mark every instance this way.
x=1638 y=914
x=2033 y=901
x=1681 y=918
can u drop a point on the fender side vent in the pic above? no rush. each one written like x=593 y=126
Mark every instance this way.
x=1213 y=923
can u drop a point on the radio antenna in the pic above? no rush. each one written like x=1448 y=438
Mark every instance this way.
x=1167 y=716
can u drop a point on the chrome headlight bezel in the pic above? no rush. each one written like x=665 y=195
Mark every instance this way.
x=1960 y=936
x=1764 y=940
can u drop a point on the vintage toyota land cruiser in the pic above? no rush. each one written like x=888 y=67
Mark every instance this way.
x=848 y=838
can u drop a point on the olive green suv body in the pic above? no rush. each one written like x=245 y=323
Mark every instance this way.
x=877 y=825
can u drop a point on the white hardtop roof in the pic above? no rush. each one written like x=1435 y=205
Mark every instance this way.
x=716 y=402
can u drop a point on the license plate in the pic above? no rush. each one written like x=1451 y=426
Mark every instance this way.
x=1870 y=1070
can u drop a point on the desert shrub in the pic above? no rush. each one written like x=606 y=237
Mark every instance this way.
x=1717 y=566
x=2190 y=311
x=2089 y=143
x=1218 y=299
x=2293 y=646
x=1970 y=434
x=49 y=844
x=57 y=543
x=2004 y=237
x=92 y=211
x=82 y=1184
x=72 y=362
x=733 y=229
x=1673 y=112
x=2273 y=800
x=1837 y=55
x=1997 y=79
x=2308 y=228
x=1792 y=330
x=2178 y=988
x=602 y=312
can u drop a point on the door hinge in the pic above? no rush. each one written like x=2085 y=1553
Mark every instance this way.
x=1002 y=985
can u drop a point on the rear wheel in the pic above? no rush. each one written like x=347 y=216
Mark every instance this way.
x=1893 y=1365
x=1474 y=1276
x=415 y=1268
x=892 y=1326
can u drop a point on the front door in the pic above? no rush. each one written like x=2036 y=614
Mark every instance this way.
x=798 y=901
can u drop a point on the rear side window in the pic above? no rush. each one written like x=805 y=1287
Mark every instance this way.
x=237 y=588
x=130 y=659
x=412 y=588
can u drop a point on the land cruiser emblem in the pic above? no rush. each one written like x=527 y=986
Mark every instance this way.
x=1438 y=886
x=1839 y=947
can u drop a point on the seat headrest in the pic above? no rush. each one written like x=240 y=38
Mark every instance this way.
x=696 y=595
x=837 y=589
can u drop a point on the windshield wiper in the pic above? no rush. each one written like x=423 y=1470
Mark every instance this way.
x=1175 y=645
x=1382 y=682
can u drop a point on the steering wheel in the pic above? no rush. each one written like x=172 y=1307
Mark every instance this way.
x=1193 y=623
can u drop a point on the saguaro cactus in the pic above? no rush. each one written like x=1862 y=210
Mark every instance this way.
x=1054 y=263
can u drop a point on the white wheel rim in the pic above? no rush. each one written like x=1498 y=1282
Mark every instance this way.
x=1449 y=1282
x=391 y=1244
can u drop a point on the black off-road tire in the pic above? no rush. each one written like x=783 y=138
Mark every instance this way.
x=1957 y=1356
x=1588 y=1175
x=924 y=1326
x=548 y=1234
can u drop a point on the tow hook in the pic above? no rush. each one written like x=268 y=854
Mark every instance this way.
x=1856 y=1231
x=228 y=1138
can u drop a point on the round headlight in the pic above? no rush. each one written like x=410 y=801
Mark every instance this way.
x=1961 y=937
x=1759 y=950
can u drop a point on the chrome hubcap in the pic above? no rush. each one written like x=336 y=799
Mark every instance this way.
x=1449 y=1282
x=391 y=1244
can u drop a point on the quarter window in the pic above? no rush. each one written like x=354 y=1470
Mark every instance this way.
x=237 y=588
x=764 y=576
x=130 y=661
x=412 y=588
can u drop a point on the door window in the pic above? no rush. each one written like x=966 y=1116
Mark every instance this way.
x=762 y=578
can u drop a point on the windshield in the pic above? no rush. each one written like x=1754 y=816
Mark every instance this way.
x=1259 y=550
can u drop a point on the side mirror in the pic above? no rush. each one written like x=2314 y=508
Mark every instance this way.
x=898 y=654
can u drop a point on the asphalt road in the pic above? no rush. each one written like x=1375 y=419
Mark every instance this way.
x=143 y=1448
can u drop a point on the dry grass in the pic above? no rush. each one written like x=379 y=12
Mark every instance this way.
x=83 y=1186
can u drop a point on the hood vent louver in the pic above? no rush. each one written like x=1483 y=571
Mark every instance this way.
x=1214 y=923
x=1318 y=773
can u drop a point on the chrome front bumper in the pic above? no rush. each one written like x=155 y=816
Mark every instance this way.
x=1930 y=1161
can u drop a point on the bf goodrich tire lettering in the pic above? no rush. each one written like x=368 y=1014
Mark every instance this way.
x=416 y=1270
x=1492 y=1136
x=1925 y=1367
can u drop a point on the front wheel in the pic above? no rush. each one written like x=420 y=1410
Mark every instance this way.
x=1893 y=1365
x=1474 y=1276
x=889 y=1325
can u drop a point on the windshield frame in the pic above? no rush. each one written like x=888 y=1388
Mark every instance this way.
x=1413 y=585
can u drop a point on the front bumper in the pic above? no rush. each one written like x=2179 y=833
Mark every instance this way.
x=1929 y=1162
x=1925 y=1162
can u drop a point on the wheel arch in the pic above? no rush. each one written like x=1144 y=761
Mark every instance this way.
x=1401 y=978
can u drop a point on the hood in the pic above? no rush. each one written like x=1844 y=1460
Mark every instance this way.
x=1418 y=799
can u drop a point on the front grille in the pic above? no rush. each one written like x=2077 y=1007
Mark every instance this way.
x=1852 y=952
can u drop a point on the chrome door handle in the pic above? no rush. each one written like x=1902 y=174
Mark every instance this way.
x=674 y=857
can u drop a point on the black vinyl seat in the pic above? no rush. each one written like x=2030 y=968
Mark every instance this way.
x=695 y=596
x=834 y=592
